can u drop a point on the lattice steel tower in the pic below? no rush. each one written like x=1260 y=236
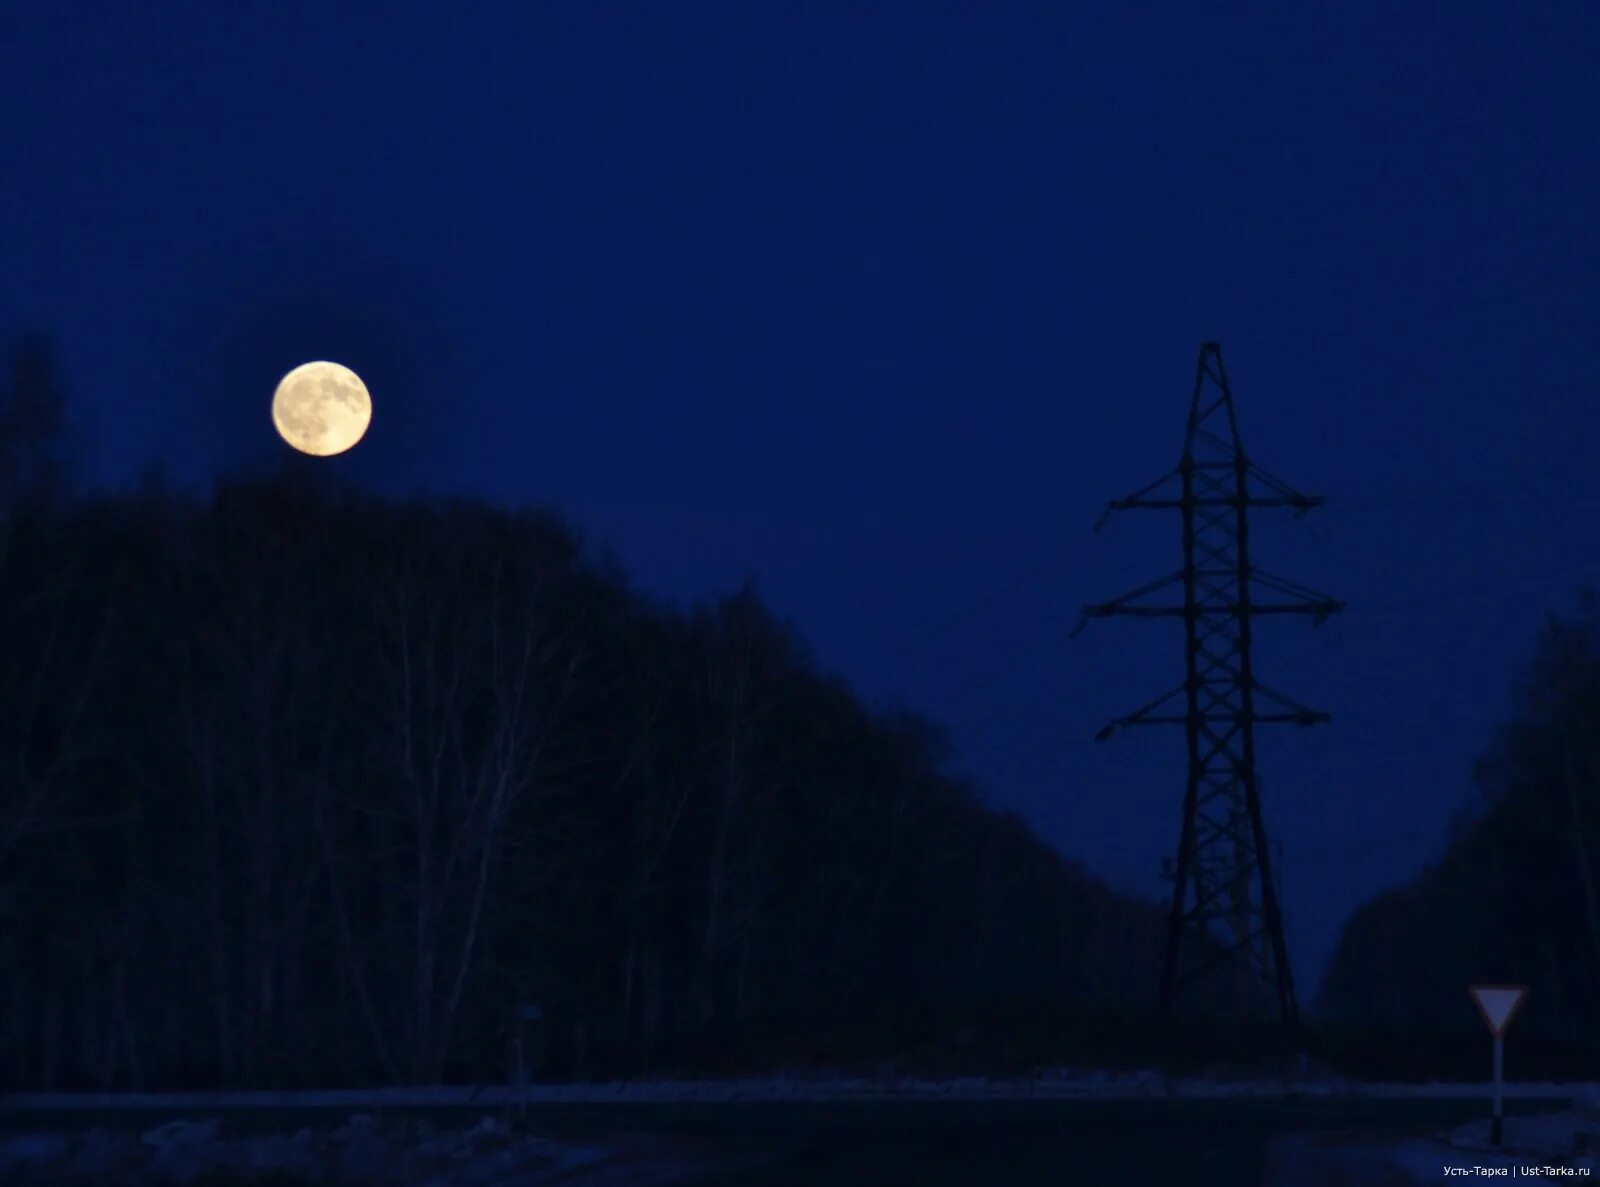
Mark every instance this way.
x=1225 y=908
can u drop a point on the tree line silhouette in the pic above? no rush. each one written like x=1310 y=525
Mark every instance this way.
x=303 y=787
x=1515 y=897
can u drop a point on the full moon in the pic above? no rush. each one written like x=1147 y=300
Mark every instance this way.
x=321 y=408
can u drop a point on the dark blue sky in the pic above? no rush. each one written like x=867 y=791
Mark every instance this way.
x=881 y=302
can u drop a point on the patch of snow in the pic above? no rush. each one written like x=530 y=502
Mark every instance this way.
x=182 y=1151
x=361 y=1153
x=23 y=1151
x=1553 y=1134
x=1551 y=1140
x=1052 y=1084
x=101 y=1156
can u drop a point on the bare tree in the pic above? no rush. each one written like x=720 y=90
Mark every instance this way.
x=474 y=675
x=251 y=681
x=742 y=646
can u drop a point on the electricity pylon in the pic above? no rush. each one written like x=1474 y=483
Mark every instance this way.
x=1222 y=874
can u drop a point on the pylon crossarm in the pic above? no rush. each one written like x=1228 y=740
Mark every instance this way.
x=1219 y=501
x=1296 y=711
x=1120 y=605
x=1288 y=493
x=1140 y=500
x=1277 y=698
x=1314 y=600
x=1317 y=613
x=1146 y=489
x=1301 y=503
x=1142 y=716
x=1146 y=612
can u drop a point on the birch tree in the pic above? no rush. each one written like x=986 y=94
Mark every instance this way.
x=473 y=671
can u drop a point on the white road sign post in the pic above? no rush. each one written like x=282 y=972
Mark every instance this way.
x=1498 y=1004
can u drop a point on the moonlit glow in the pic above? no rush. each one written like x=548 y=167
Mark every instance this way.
x=321 y=408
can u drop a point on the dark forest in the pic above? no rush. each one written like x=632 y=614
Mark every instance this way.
x=302 y=787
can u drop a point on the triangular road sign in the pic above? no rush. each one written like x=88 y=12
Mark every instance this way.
x=1498 y=1004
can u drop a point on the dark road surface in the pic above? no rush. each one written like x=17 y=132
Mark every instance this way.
x=1197 y=1143
x=1062 y=1144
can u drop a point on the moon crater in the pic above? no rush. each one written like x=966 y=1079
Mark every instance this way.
x=321 y=408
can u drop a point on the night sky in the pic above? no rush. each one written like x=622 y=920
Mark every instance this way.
x=880 y=303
